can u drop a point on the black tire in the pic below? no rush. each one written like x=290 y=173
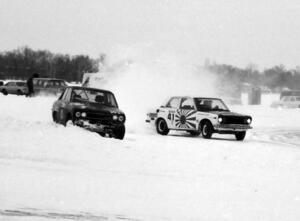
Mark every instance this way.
x=66 y=119
x=54 y=117
x=119 y=132
x=206 y=129
x=19 y=92
x=194 y=133
x=4 y=92
x=240 y=135
x=162 y=127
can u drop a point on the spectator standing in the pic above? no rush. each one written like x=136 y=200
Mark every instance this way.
x=30 y=84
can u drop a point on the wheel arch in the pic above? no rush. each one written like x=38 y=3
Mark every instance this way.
x=205 y=120
x=159 y=118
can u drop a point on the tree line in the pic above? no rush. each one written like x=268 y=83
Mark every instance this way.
x=21 y=63
x=276 y=78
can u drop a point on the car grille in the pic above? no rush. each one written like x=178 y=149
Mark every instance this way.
x=98 y=117
x=234 y=120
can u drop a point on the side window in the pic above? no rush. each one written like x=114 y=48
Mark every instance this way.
x=39 y=83
x=187 y=103
x=292 y=99
x=174 y=102
x=285 y=98
x=9 y=84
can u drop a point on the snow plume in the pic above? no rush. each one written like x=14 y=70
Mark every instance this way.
x=142 y=81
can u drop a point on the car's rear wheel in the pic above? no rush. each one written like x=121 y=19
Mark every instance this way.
x=162 y=127
x=206 y=130
x=4 y=92
x=240 y=135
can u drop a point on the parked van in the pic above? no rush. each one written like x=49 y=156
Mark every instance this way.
x=45 y=86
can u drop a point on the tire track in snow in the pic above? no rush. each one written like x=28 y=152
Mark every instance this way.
x=61 y=215
x=283 y=136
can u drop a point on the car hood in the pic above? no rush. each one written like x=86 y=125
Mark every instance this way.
x=229 y=114
x=98 y=107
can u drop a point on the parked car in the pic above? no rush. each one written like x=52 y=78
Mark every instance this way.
x=198 y=115
x=289 y=93
x=287 y=102
x=14 y=87
x=45 y=86
x=94 y=109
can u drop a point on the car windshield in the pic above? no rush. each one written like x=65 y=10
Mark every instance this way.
x=210 y=104
x=94 y=96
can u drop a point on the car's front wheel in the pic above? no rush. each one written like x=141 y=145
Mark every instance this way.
x=206 y=130
x=162 y=127
x=240 y=135
x=119 y=132
x=54 y=117
x=67 y=120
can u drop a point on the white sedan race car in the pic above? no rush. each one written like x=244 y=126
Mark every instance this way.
x=199 y=115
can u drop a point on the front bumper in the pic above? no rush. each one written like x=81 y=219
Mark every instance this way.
x=98 y=127
x=151 y=117
x=231 y=127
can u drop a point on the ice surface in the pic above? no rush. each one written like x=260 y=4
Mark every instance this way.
x=48 y=171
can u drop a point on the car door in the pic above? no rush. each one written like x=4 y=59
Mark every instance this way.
x=185 y=116
x=171 y=108
x=10 y=87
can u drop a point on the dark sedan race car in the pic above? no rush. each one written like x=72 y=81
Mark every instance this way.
x=198 y=115
x=94 y=109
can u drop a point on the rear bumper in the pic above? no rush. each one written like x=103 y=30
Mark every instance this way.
x=231 y=127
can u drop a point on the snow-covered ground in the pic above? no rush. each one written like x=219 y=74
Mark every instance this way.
x=50 y=172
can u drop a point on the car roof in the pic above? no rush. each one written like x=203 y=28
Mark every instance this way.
x=197 y=97
x=214 y=98
x=16 y=81
x=88 y=88
x=50 y=79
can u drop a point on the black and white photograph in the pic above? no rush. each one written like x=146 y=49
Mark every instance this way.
x=150 y=110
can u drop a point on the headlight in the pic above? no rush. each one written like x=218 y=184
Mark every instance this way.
x=249 y=120
x=115 y=117
x=83 y=114
x=121 y=118
x=220 y=119
x=77 y=114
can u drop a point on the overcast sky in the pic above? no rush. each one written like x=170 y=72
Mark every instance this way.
x=235 y=32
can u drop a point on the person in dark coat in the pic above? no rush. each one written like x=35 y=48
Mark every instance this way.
x=30 y=84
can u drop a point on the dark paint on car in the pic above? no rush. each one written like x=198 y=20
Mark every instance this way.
x=94 y=109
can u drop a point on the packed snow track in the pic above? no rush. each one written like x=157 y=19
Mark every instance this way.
x=48 y=171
